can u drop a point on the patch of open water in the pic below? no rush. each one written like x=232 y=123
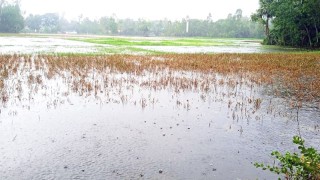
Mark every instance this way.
x=247 y=48
x=28 y=45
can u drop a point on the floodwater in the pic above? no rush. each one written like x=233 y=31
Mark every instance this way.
x=239 y=46
x=154 y=125
x=30 y=45
x=215 y=49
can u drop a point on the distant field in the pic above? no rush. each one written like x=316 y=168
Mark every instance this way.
x=154 y=41
x=142 y=41
x=99 y=45
x=156 y=45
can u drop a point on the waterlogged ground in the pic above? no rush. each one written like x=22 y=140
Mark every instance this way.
x=252 y=47
x=59 y=44
x=27 y=44
x=152 y=117
x=187 y=45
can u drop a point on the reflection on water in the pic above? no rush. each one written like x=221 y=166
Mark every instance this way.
x=67 y=119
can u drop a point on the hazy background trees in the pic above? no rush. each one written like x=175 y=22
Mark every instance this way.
x=234 y=26
x=288 y=23
x=11 y=19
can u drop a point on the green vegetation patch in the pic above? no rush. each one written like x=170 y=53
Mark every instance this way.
x=117 y=41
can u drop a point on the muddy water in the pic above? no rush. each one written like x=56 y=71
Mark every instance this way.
x=253 y=47
x=125 y=127
x=238 y=46
x=28 y=45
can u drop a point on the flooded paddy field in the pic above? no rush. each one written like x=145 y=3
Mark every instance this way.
x=187 y=45
x=66 y=44
x=30 y=45
x=250 y=48
x=184 y=116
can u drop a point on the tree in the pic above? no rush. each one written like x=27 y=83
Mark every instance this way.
x=1 y=3
x=109 y=25
x=238 y=14
x=294 y=22
x=88 y=26
x=143 y=27
x=209 y=18
x=127 y=27
x=50 y=23
x=33 y=22
x=264 y=14
x=1 y=7
x=11 y=20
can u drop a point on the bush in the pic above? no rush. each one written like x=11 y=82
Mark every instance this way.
x=294 y=166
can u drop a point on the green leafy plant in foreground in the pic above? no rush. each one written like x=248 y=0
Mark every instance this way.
x=294 y=166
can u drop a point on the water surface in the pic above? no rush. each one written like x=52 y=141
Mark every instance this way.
x=166 y=124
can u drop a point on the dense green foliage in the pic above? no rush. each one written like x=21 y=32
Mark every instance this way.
x=11 y=20
x=305 y=165
x=293 y=22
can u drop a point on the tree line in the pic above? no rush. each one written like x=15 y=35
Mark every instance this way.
x=281 y=22
x=234 y=26
x=11 y=20
x=290 y=22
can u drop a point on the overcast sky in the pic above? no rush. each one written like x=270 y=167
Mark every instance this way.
x=147 y=9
